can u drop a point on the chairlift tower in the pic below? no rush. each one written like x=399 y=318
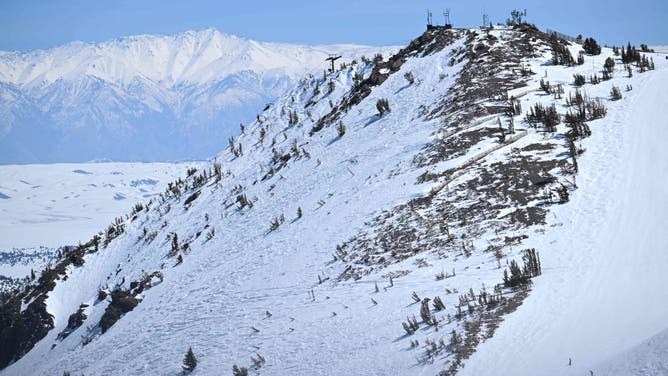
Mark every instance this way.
x=332 y=58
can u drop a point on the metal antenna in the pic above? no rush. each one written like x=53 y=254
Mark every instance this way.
x=485 y=19
x=446 y=14
x=428 y=18
x=332 y=58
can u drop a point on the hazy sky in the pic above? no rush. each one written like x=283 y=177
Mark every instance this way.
x=31 y=24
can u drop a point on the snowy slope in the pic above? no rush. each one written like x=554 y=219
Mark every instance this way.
x=164 y=97
x=604 y=293
x=63 y=204
x=308 y=242
x=646 y=359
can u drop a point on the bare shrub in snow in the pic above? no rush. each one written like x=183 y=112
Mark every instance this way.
x=239 y=371
x=409 y=77
x=383 y=106
x=615 y=93
x=341 y=129
x=277 y=222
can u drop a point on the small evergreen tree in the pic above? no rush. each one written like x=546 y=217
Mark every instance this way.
x=609 y=65
x=591 y=47
x=190 y=361
x=175 y=243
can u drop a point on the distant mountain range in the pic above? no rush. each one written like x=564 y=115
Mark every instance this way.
x=146 y=97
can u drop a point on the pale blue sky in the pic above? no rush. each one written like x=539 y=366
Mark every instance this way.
x=31 y=24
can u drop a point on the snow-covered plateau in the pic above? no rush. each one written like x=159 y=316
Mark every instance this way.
x=63 y=204
x=487 y=201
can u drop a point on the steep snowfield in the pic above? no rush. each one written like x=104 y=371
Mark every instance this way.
x=645 y=359
x=389 y=203
x=63 y=204
x=164 y=97
x=603 y=291
x=224 y=287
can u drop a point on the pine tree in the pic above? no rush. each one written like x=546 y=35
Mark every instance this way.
x=190 y=362
x=609 y=65
x=175 y=243
x=591 y=47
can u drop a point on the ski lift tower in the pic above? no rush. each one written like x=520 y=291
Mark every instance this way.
x=332 y=58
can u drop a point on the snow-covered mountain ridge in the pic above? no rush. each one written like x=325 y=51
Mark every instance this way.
x=165 y=97
x=192 y=57
x=388 y=218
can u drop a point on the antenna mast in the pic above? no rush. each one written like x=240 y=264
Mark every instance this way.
x=446 y=14
x=429 y=23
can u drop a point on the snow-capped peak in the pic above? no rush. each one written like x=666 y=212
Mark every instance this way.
x=191 y=57
x=166 y=97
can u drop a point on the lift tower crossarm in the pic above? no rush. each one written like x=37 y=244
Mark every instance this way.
x=331 y=59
